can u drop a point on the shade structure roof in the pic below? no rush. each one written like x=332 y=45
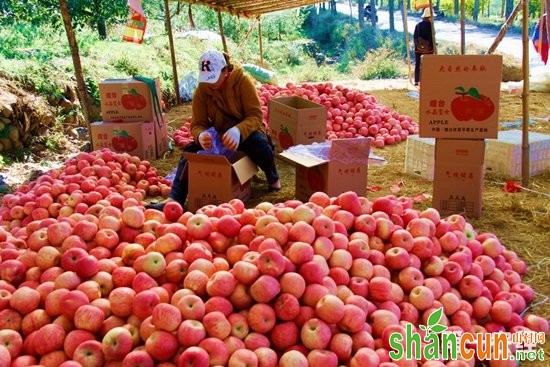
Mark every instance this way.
x=251 y=8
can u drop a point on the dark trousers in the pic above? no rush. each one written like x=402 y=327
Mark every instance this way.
x=417 y=60
x=257 y=147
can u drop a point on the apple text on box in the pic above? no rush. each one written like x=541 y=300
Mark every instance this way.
x=460 y=175
x=463 y=68
x=210 y=174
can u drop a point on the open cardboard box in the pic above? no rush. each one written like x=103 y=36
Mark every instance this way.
x=295 y=120
x=214 y=179
x=344 y=169
x=458 y=177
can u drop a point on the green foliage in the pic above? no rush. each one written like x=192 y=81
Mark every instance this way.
x=381 y=63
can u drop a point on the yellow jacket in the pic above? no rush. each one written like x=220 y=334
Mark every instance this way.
x=237 y=103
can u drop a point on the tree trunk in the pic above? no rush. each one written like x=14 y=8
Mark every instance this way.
x=391 y=9
x=456 y=7
x=100 y=20
x=190 y=15
x=509 y=8
x=373 y=13
x=476 y=10
x=81 y=84
x=361 y=10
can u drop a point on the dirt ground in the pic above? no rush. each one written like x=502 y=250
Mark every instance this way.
x=520 y=220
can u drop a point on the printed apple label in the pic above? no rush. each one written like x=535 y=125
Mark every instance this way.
x=471 y=105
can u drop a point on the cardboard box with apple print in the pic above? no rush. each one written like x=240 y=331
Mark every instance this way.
x=135 y=138
x=343 y=169
x=215 y=179
x=295 y=120
x=459 y=96
x=127 y=100
x=458 y=176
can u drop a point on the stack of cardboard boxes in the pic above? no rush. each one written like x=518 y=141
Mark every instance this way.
x=296 y=121
x=133 y=121
x=459 y=104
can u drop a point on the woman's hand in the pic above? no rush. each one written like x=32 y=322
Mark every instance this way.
x=205 y=140
x=231 y=138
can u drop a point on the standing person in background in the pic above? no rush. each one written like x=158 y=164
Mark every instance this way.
x=423 y=41
x=226 y=100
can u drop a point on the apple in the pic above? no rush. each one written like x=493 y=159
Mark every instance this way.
x=194 y=356
x=410 y=277
x=397 y=258
x=315 y=334
x=89 y=353
x=161 y=345
x=421 y=297
x=501 y=312
x=166 y=317
x=265 y=288
x=190 y=333
x=138 y=358
x=121 y=300
x=365 y=357
x=330 y=309
x=267 y=357
x=25 y=299
x=292 y=283
x=293 y=358
x=470 y=287
x=261 y=318
x=216 y=325
x=341 y=346
x=51 y=337
x=380 y=288
x=89 y=318
x=116 y=343
x=242 y=358
x=12 y=341
x=286 y=307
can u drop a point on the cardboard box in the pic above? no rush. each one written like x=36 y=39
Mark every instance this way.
x=345 y=169
x=458 y=177
x=213 y=179
x=295 y=120
x=161 y=136
x=135 y=138
x=420 y=157
x=459 y=96
x=127 y=100
x=504 y=155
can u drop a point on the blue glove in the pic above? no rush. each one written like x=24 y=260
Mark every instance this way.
x=205 y=140
x=231 y=138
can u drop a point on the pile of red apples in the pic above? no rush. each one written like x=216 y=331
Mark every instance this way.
x=89 y=277
x=350 y=113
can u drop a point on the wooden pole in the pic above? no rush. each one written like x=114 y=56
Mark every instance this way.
x=525 y=161
x=80 y=82
x=172 y=51
x=261 y=41
x=432 y=26
x=462 y=28
x=220 y=25
x=504 y=28
x=407 y=40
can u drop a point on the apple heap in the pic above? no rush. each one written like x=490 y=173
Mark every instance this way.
x=350 y=113
x=320 y=283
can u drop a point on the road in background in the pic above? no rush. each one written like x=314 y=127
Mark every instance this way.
x=449 y=31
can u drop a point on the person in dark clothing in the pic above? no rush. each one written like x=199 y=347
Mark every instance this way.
x=227 y=100
x=423 y=41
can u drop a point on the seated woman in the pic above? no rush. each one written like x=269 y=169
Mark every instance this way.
x=227 y=100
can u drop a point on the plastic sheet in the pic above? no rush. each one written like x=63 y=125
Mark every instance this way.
x=217 y=146
x=260 y=74
x=187 y=86
x=325 y=152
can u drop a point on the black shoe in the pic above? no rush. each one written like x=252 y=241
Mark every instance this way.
x=157 y=206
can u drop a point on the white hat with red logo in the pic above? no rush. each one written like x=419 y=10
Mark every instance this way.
x=211 y=65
